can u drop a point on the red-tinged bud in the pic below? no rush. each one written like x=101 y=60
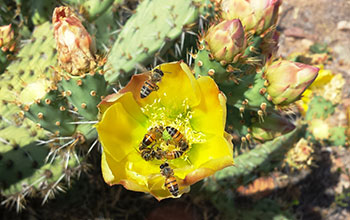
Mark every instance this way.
x=288 y=80
x=73 y=42
x=225 y=40
x=7 y=37
x=257 y=15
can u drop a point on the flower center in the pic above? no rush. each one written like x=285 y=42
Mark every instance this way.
x=170 y=133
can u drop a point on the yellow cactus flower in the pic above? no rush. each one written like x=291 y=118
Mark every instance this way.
x=194 y=107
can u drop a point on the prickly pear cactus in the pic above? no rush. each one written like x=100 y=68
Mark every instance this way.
x=52 y=89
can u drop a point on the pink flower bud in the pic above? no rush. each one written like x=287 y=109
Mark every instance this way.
x=225 y=40
x=256 y=15
x=73 y=42
x=287 y=80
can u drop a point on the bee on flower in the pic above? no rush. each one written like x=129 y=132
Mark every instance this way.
x=192 y=113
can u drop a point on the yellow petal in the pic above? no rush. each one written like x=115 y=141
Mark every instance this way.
x=197 y=175
x=214 y=154
x=128 y=102
x=178 y=85
x=116 y=173
x=210 y=115
x=210 y=167
x=122 y=127
x=106 y=170
x=139 y=166
x=323 y=77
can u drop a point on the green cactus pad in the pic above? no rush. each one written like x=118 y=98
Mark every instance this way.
x=21 y=163
x=147 y=33
x=205 y=66
x=51 y=113
x=270 y=126
x=85 y=92
x=92 y=9
x=33 y=61
x=258 y=159
x=249 y=93
x=105 y=34
x=26 y=174
x=3 y=61
x=338 y=136
x=41 y=11
x=237 y=122
x=319 y=107
x=23 y=169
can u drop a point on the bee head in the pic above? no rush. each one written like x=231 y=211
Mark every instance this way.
x=158 y=71
x=162 y=166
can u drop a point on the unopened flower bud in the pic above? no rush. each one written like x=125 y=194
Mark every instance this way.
x=256 y=15
x=225 y=40
x=73 y=42
x=7 y=38
x=288 y=80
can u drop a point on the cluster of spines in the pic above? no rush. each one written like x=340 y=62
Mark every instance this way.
x=22 y=165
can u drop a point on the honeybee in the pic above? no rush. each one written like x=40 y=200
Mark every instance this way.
x=173 y=154
x=178 y=138
x=170 y=180
x=150 y=85
x=149 y=153
x=150 y=137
